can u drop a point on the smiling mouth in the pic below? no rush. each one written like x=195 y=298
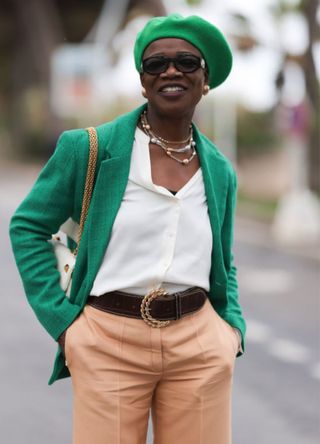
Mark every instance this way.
x=172 y=89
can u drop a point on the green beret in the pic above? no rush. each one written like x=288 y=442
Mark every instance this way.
x=195 y=30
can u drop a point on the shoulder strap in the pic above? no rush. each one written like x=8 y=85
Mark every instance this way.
x=88 y=188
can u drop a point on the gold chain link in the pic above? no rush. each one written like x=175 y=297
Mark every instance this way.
x=145 y=308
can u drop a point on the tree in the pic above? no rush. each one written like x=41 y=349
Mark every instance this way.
x=246 y=42
x=31 y=30
x=309 y=9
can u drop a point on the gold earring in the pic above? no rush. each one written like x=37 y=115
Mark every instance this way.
x=206 y=89
x=144 y=92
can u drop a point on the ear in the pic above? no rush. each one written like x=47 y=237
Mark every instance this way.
x=206 y=76
x=143 y=90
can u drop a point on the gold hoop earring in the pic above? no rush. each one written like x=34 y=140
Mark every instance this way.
x=206 y=89
x=144 y=92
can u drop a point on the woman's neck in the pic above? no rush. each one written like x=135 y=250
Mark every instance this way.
x=169 y=127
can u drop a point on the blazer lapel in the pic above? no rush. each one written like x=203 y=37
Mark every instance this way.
x=106 y=200
x=111 y=182
x=214 y=177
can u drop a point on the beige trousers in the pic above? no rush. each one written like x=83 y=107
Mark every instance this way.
x=121 y=368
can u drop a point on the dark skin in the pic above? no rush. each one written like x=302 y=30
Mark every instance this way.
x=170 y=115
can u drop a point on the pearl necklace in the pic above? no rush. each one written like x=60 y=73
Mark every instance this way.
x=164 y=144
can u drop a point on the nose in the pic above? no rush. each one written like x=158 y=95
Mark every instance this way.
x=171 y=71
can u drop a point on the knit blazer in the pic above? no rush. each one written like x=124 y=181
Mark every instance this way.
x=57 y=195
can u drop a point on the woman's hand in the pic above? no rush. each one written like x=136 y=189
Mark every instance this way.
x=61 y=342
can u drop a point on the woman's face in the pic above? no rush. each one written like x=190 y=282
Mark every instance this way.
x=160 y=92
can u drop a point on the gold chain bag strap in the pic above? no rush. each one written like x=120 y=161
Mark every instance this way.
x=88 y=188
x=66 y=259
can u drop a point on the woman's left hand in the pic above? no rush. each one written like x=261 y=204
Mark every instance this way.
x=61 y=342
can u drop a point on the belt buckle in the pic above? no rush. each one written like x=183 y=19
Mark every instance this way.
x=145 y=308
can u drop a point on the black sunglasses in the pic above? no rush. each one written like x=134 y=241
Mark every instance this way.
x=185 y=63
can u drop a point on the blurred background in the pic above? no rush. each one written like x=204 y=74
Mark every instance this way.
x=68 y=64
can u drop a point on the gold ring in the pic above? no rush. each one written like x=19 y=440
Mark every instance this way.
x=145 y=308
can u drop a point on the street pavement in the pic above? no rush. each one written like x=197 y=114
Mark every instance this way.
x=276 y=383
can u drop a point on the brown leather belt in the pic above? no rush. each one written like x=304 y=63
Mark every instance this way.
x=156 y=308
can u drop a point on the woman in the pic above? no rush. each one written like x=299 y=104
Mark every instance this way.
x=160 y=221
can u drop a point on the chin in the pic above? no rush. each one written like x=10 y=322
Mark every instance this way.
x=173 y=109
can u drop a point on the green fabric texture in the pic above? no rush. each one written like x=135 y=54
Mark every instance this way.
x=197 y=31
x=57 y=195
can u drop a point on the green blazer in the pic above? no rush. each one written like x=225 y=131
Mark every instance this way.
x=57 y=195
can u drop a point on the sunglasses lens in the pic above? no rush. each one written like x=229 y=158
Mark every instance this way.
x=154 y=65
x=188 y=63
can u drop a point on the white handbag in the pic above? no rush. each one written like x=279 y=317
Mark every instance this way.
x=66 y=259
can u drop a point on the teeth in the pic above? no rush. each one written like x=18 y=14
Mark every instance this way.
x=172 y=88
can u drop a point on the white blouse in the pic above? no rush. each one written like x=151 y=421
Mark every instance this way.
x=158 y=239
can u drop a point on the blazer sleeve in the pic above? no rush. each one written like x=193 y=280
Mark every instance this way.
x=47 y=206
x=233 y=313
